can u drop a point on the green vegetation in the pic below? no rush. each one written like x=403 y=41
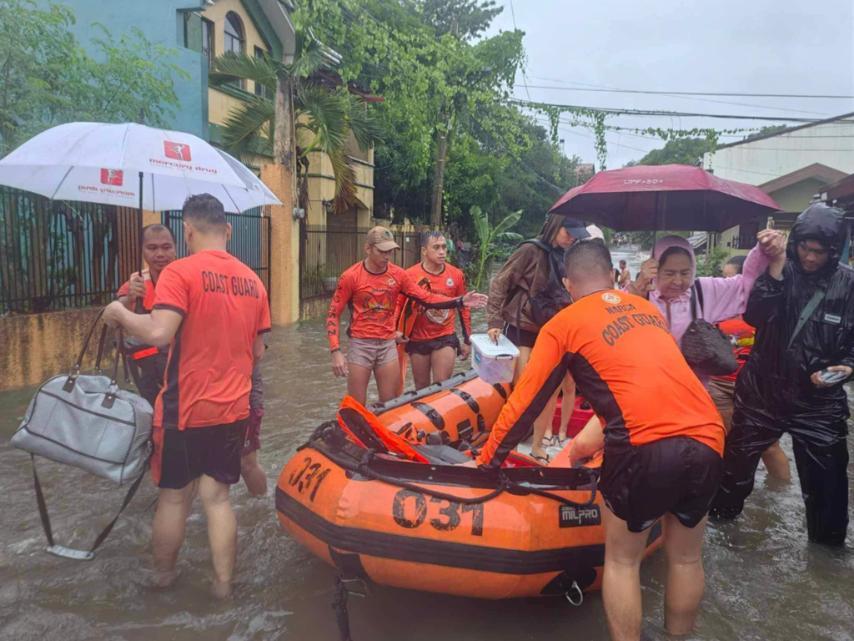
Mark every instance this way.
x=328 y=113
x=49 y=79
x=452 y=139
x=489 y=241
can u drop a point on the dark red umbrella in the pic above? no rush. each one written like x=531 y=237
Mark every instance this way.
x=659 y=197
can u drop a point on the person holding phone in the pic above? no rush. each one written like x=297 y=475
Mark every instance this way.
x=803 y=312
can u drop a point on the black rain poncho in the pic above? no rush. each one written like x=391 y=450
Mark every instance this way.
x=774 y=393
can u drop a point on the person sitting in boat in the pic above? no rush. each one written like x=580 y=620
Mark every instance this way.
x=669 y=278
x=370 y=289
x=663 y=437
x=523 y=296
x=432 y=343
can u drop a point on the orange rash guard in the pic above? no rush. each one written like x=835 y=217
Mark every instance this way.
x=372 y=299
x=625 y=363
x=433 y=323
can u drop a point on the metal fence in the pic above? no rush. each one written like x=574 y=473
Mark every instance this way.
x=326 y=252
x=251 y=240
x=57 y=255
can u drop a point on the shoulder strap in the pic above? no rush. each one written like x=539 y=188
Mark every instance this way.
x=699 y=289
x=71 y=553
x=694 y=296
x=537 y=243
x=807 y=311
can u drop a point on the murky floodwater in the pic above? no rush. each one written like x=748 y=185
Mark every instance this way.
x=764 y=582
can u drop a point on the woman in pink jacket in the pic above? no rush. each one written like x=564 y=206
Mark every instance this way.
x=667 y=278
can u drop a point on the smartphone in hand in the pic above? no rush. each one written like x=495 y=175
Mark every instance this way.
x=828 y=377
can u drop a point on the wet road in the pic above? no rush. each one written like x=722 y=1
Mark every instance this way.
x=763 y=580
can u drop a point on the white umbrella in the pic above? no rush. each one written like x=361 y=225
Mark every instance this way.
x=130 y=165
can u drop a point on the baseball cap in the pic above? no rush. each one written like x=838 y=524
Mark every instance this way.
x=575 y=227
x=382 y=238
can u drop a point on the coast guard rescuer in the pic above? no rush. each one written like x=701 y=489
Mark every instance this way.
x=370 y=289
x=663 y=437
x=212 y=309
x=433 y=344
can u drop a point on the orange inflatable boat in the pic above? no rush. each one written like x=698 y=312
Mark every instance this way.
x=380 y=495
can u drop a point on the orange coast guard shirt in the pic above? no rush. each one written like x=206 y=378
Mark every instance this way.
x=224 y=308
x=433 y=323
x=372 y=299
x=625 y=363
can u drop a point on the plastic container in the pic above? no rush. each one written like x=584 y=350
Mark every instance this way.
x=493 y=363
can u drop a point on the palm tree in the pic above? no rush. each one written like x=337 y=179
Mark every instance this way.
x=326 y=113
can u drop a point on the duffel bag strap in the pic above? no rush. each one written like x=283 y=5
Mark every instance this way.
x=75 y=372
x=73 y=553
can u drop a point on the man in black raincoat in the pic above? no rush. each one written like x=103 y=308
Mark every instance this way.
x=803 y=311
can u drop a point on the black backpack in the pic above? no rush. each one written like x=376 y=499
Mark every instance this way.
x=551 y=299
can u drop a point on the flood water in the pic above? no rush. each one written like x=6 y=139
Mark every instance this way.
x=764 y=581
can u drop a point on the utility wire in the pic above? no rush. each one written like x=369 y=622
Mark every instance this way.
x=657 y=112
x=722 y=94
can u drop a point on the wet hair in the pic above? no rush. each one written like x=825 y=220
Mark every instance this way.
x=156 y=227
x=427 y=236
x=672 y=251
x=737 y=262
x=205 y=212
x=588 y=259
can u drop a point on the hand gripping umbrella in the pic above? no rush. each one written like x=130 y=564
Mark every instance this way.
x=658 y=197
x=130 y=165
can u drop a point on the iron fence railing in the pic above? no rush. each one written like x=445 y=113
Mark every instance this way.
x=58 y=255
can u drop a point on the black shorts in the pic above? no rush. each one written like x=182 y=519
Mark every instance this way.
x=184 y=455
x=678 y=475
x=425 y=348
x=520 y=337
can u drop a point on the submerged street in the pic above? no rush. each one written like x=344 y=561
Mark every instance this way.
x=764 y=581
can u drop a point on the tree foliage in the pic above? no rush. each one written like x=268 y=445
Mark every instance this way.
x=46 y=77
x=683 y=151
x=443 y=82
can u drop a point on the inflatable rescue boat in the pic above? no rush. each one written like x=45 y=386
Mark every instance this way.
x=379 y=494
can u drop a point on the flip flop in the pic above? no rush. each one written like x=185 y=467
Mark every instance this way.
x=542 y=460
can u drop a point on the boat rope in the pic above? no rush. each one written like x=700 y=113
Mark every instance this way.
x=504 y=485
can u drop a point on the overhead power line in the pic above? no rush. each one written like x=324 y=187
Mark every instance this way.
x=656 y=112
x=723 y=94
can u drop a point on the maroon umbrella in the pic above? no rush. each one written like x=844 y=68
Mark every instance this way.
x=659 y=197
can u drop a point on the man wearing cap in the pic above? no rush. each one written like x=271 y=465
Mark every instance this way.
x=370 y=289
x=524 y=295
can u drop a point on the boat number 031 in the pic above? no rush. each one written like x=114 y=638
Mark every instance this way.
x=411 y=509
x=309 y=477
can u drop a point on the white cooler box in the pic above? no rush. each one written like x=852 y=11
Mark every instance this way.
x=493 y=363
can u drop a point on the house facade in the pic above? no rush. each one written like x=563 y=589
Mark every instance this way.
x=793 y=166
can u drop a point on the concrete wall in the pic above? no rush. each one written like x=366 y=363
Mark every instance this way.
x=759 y=161
x=38 y=346
x=160 y=23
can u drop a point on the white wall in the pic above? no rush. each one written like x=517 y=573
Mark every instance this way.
x=760 y=161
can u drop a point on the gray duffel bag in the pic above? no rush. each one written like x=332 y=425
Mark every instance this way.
x=87 y=421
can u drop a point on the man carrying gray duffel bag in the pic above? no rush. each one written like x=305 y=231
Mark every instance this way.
x=87 y=421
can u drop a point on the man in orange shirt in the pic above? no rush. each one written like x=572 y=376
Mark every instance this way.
x=370 y=289
x=212 y=310
x=432 y=344
x=147 y=363
x=663 y=437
